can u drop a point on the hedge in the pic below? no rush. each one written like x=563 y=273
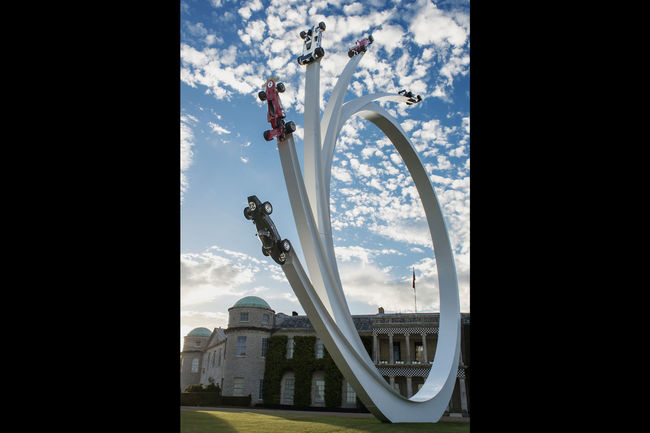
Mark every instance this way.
x=200 y=398
x=203 y=398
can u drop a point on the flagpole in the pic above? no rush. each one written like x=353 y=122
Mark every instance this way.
x=414 y=293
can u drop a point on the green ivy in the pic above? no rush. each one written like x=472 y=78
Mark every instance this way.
x=303 y=364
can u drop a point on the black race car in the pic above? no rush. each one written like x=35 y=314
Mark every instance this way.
x=272 y=245
x=413 y=99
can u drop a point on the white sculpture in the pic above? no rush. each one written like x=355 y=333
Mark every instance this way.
x=322 y=295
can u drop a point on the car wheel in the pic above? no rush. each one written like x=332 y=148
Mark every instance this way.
x=264 y=251
x=319 y=52
x=262 y=95
x=247 y=213
x=282 y=258
x=290 y=128
x=285 y=245
x=266 y=136
x=322 y=26
x=280 y=87
x=267 y=208
x=350 y=54
x=371 y=39
x=303 y=34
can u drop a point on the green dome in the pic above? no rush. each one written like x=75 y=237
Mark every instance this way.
x=200 y=332
x=252 y=301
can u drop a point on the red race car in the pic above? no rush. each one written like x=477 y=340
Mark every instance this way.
x=360 y=47
x=275 y=114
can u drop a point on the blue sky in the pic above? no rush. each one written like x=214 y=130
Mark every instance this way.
x=228 y=49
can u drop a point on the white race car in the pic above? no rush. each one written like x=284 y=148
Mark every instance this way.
x=311 y=49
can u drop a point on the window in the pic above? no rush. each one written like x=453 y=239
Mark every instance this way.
x=319 y=348
x=319 y=395
x=396 y=352
x=265 y=346
x=287 y=391
x=195 y=365
x=238 y=386
x=350 y=395
x=241 y=346
x=290 y=345
x=243 y=316
x=261 y=389
x=265 y=318
x=419 y=352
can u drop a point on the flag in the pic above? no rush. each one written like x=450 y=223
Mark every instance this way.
x=413 y=278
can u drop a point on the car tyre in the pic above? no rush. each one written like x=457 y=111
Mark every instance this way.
x=266 y=136
x=350 y=54
x=319 y=52
x=322 y=26
x=267 y=208
x=280 y=87
x=247 y=213
x=262 y=95
x=303 y=34
x=371 y=39
x=285 y=245
x=290 y=128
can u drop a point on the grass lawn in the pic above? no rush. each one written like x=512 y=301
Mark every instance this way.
x=197 y=421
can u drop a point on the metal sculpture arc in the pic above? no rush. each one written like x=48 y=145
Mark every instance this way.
x=320 y=293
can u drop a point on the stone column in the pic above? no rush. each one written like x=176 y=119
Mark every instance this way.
x=409 y=387
x=424 y=347
x=391 y=357
x=375 y=349
x=408 y=349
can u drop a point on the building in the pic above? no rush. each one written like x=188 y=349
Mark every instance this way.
x=263 y=349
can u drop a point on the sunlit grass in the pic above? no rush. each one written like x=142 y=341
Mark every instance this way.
x=217 y=422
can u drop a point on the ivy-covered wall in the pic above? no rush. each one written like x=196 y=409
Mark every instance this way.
x=303 y=364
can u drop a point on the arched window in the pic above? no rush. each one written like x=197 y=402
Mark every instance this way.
x=195 y=365
x=287 y=388
x=318 y=389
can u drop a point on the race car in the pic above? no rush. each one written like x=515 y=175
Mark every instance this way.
x=275 y=114
x=413 y=99
x=272 y=244
x=311 y=49
x=360 y=47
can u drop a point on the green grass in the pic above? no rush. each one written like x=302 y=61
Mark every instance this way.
x=197 y=421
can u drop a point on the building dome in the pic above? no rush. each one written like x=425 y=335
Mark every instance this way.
x=252 y=301
x=200 y=332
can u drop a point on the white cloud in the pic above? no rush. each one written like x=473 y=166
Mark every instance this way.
x=430 y=25
x=389 y=37
x=214 y=273
x=187 y=142
x=250 y=7
x=218 y=129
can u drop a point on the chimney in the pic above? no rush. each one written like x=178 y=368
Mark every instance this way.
x=381 y=310
x=293 y=313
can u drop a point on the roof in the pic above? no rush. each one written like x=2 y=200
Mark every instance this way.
x=362 y=323
x=252 y=301
x=199 y=332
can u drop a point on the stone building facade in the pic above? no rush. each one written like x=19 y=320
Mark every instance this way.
x=403 y=349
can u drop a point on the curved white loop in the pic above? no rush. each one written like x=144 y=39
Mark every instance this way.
x=322 y=296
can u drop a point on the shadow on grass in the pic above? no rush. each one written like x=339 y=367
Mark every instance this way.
x=250 y=422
